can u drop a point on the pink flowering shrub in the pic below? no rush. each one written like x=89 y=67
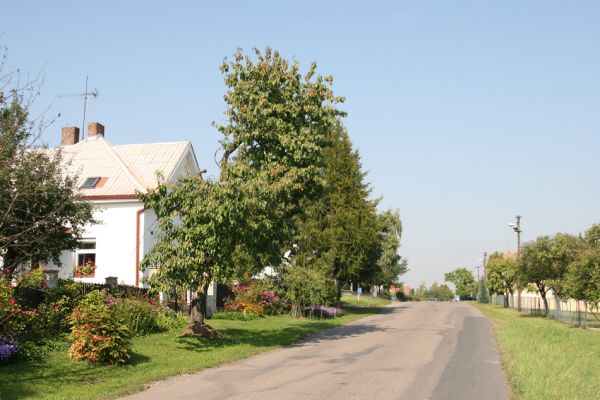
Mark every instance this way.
x=255 y=296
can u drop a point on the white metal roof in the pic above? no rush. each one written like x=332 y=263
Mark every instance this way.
x=125 y=169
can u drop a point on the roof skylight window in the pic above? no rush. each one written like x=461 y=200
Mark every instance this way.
x=91 y=182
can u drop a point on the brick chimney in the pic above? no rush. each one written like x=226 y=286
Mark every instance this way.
x=69 y=135
x=95 y=129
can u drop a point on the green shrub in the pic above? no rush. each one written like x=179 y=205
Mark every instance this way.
x=236 y=315
x=7 y=305
x=169 y=320
x=97 y=335
x=67 y=290
x=33 y=279
x=140 y=317
x=308 y=287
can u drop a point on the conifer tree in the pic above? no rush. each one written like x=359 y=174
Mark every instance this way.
x=339 y=233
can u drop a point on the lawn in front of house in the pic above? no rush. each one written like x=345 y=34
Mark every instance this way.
x=365 y=300
x=156 y=357
x=546 y=359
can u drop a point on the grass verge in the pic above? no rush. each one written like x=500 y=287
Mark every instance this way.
x=366 y=300
x=545 y=359
x=156 y=357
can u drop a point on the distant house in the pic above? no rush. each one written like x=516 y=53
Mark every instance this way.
x=111 y=176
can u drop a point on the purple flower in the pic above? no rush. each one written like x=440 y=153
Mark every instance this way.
x=8 y=347
x=328 y=311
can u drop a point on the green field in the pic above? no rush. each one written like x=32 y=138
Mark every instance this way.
x=545 y=359
x=156 y=356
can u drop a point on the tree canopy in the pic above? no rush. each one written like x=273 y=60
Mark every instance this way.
x=40 y=214
x=464 y=282
x=279 y=124
x=338 y=232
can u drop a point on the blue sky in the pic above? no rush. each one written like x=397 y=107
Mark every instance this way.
x=465 y=112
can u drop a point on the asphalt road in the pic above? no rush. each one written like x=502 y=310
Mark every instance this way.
x=427 y=350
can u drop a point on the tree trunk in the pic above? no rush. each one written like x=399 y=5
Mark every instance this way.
x=506 y=292
x=557 y=302
x=545 y=304
x=197 y=327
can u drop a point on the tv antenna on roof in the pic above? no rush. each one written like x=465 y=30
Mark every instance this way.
x=93 y=93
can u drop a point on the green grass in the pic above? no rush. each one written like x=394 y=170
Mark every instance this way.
x=155 y=357
x=366 y=300
x=545 y=359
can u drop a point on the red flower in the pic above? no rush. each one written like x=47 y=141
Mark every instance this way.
x=12 y=301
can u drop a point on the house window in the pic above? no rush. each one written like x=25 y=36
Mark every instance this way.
x=85 y=259
x=91 y=182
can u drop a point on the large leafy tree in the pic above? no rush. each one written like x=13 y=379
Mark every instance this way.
x=278 y=125
x=582 y=281
x=464 y=282
x=339 y=232
x=390 y=264
x=40 y=215
x=440 y=292
x=544 y=263
x=501 y=275
x=566 y=250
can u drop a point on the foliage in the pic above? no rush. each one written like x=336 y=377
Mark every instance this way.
x=278 y=125
x=257 y=296
x=139 y=315
x=32 y=329
x=390 y=264
x=67 y=290
x=34 y=279
x=464 y=282
x=7 y=304
x=338 y=232
x=535 y=265
x=236 y=315
x=501 y=275
x=583 y=277
x=36 y=201
x=544 y=262
x=169 y=320
x=97 y=334
x=566 y=250
x=440 y=292
x=482 y=293
x=308 y=287
x=592 y=235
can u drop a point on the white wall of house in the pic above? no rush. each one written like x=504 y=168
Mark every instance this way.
x=115 y=235
x=186 y=166
x=149 y=228
x=115 y=238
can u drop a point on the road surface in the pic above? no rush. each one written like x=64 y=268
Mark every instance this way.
x=426 y=350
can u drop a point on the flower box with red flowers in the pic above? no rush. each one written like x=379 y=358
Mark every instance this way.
x=86 y=270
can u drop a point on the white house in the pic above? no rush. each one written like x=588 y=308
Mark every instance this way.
x=110 y=176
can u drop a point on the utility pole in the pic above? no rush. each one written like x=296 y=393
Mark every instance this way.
x=484 y=266
x=517 y=228
x=479 y=266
